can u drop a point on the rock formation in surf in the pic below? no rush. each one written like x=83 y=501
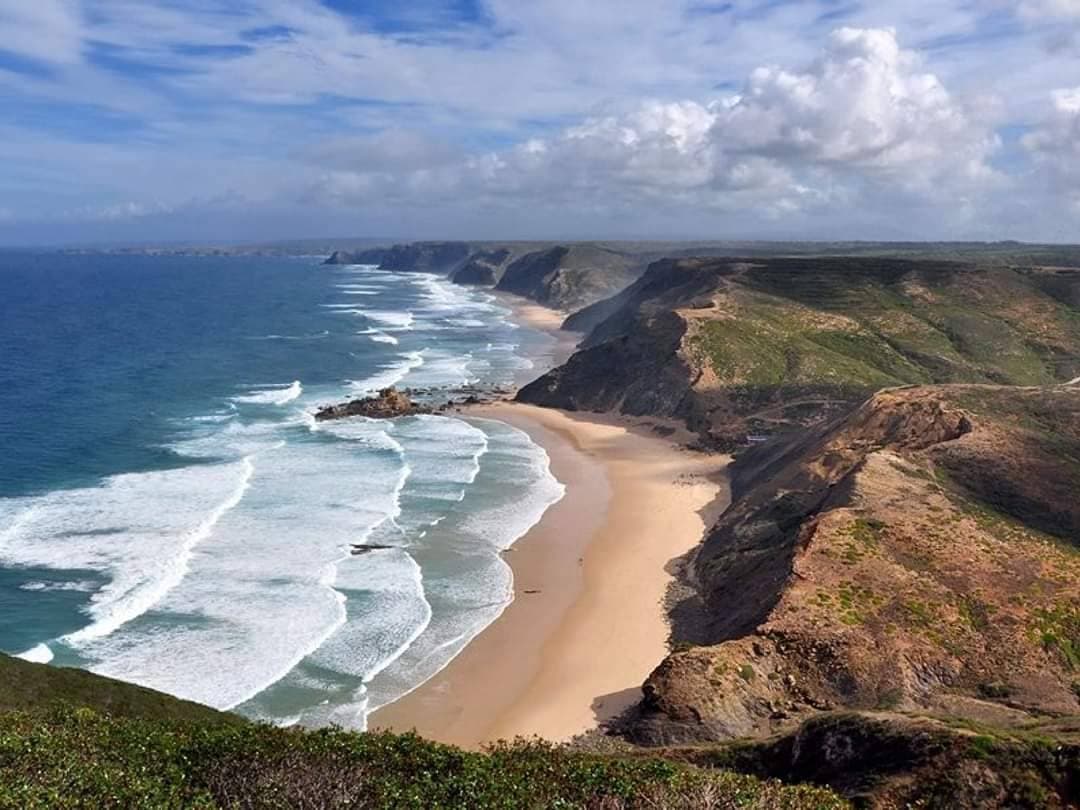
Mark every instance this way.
x=388 y=404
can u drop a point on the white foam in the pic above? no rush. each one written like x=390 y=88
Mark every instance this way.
x=272 y=395
x=472 y=587
x=442 y=369
x=378 y=336
x=139 y=598
x=390 y=318
x=261 y=594
x=139 y=529
x=389 y=375
x=79 y=586
x=39 y=654
x=503 y=524
x=313 y=336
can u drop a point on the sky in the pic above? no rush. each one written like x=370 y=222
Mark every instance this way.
x=127 y=121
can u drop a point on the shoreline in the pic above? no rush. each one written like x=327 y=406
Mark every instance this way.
x=587 y=624
x=547 y=321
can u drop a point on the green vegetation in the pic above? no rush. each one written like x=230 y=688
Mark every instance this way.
x=24 y=685
x=862 y=326
x=857 y=602
x=1058 y=630
x=899 y=761
x=80 y=758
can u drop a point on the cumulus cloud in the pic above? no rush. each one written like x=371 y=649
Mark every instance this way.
x=1055 y=147
x=863 y=115
x=538 y=113
x=866 y=103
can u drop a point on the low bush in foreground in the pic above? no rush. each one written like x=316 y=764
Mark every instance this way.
x=68 y=758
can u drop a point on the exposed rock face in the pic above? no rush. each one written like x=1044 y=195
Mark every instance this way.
x=561 y=276
x=483 y=268
x=889 y=559
x=373 y=257
x=419 y=257
x=569 y=277
x=390 y=403
x=637 y=373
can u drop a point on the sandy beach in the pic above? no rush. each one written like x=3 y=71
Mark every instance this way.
x=587 y=624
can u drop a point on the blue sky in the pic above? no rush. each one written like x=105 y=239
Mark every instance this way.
x=238 y=120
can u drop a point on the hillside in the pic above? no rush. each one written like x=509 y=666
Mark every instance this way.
x=25 y=685
x=921 y=554
x=137 y=748
x=744 y=347
x=70 y=739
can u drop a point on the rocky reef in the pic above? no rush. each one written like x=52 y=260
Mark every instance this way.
x=389 y=404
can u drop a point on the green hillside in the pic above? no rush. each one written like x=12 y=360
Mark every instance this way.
x=136 y=748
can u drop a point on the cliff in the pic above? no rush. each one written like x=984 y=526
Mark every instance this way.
x=569 y=277
x=921 y=554
x=748 y=348
x=566 y=277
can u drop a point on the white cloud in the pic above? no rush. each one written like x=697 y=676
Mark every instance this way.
x=868 y=104
x=632 y=108
x=48 y=30
x=864 y=118
x=1055 y=146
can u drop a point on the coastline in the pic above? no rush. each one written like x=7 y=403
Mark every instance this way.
x=587 y=624
x=548 y=321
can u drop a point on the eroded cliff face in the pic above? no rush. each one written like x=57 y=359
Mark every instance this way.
x=566 y=277
x=877 y=564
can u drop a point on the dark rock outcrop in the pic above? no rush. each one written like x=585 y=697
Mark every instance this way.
x=420 y=257
x=389 y=404
x=373 y=257
x=570 y=277
x=483 y=268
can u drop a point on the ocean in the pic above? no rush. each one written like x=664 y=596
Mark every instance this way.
x=172 y=515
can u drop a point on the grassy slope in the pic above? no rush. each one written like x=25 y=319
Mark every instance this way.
x=24 y=685
x=136 y=748
x=866 y=330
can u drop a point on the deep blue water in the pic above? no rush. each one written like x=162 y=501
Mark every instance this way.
x=171 y=514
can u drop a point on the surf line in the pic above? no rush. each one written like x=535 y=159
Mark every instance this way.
x=151 y=593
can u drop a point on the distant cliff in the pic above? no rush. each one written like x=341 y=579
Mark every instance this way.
x=421 y=257
x=751 y=347
x=566 y=277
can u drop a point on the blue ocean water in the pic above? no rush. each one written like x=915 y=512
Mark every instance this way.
x=171 y=514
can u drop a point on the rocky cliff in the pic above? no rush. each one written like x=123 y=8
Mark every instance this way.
x=920 y=554
x=748 y=348
x=567 y=277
